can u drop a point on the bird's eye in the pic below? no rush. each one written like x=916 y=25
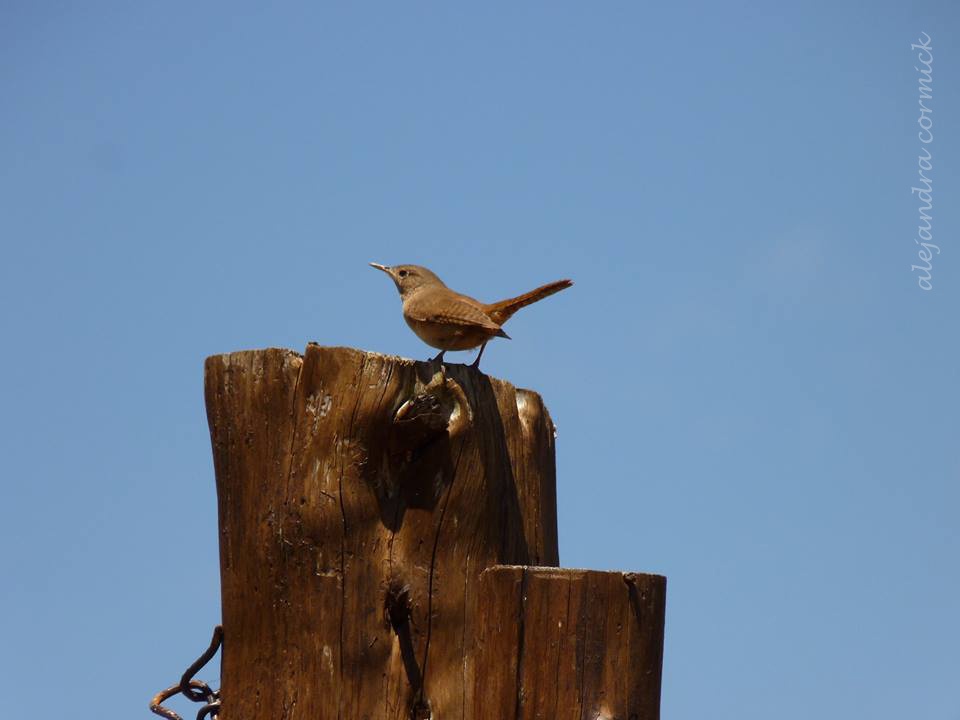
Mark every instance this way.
x=402 y=273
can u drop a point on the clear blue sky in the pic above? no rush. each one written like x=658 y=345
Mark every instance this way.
x=753 y=395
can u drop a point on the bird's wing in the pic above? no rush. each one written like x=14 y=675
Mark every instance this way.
x=450 y=310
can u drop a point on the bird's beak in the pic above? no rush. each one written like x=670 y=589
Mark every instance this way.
x=378 y=266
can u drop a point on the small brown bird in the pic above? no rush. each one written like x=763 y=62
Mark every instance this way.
x=446 y=319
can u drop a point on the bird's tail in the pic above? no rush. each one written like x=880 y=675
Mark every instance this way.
x=501 y=311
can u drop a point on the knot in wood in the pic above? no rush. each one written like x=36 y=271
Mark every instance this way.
x=440 y=408
x=396 y=606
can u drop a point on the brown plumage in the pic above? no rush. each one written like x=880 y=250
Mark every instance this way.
x=449 y=320
x=502 y=311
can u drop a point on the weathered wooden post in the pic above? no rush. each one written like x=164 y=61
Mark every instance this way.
x=363 y=500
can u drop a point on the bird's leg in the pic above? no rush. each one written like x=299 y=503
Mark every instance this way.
x=439 y=357
x=476 y=363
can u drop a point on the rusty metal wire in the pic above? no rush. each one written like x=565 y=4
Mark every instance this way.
x=193 y=690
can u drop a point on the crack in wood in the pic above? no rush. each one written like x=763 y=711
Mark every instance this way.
x=433 y=564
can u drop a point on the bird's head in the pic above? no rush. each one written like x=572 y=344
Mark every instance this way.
x=409 y=278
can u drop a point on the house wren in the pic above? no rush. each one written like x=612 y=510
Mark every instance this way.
x=446 y=319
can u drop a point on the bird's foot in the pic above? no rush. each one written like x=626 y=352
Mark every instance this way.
x=476 y=363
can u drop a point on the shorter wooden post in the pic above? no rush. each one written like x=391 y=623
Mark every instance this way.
x=568 y=644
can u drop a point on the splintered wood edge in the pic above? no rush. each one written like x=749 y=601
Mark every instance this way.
x=547 y=571
x=232 y=357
